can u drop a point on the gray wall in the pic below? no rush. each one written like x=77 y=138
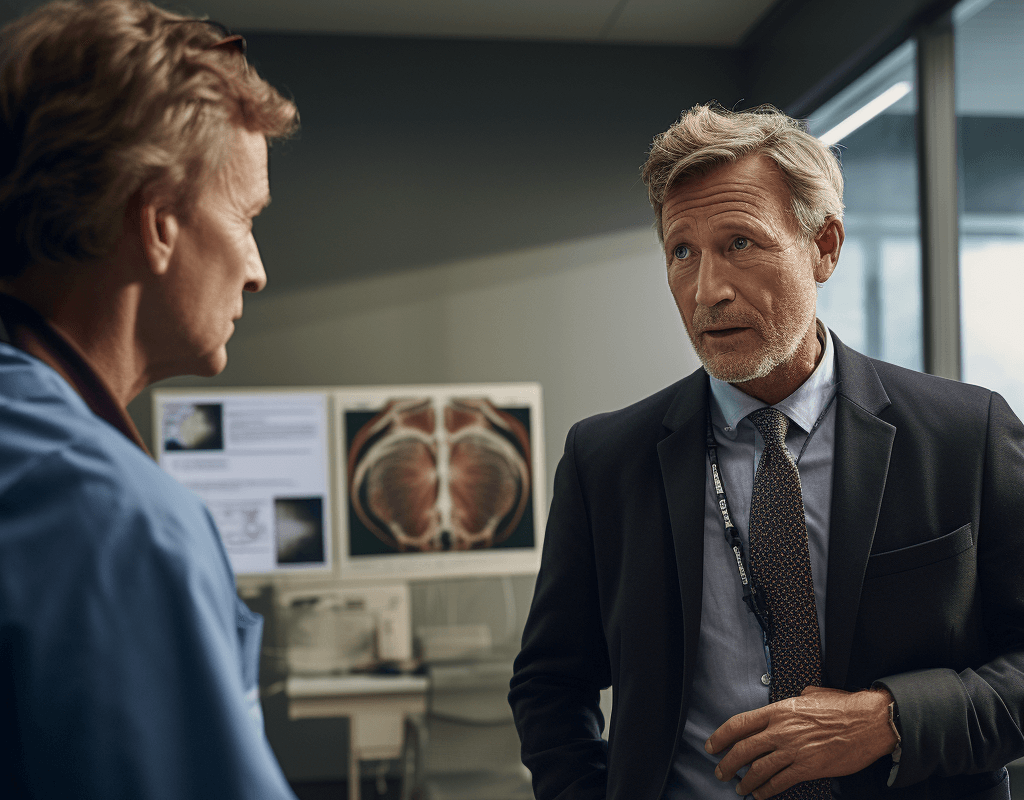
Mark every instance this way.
x=416 y=153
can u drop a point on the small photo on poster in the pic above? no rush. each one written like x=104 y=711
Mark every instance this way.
x=193 y=426
x=299 y=530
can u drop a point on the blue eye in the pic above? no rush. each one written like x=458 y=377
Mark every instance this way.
x=741 y=243
x=682 y=251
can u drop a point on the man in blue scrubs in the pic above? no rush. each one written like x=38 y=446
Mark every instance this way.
x=133 y=158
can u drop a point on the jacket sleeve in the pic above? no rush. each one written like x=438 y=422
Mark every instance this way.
x=132 y=659
x=955 y=723
x=564 y=663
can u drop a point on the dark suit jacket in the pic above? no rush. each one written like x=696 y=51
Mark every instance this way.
x=925 y=587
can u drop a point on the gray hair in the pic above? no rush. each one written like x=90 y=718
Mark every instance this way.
x=708 y=136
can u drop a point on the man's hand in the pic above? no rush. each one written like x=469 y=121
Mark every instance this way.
x=823 y=733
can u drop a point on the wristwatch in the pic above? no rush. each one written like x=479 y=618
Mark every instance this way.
x=894 y=718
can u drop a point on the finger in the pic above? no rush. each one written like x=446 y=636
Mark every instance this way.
x=738 y=727
x=742 y=753
x=762 y=770
x=779 y=782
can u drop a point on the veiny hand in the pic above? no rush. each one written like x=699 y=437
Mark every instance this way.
x=823 y=733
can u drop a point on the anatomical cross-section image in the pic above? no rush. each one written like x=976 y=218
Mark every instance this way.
x=438 y=473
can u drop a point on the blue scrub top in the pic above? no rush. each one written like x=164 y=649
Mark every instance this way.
x=128 y=665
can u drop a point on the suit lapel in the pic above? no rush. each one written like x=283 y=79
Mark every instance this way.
x=682 y=455
x=863 y=445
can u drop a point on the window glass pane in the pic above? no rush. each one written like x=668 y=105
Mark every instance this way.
x=990 y=140
x=873 y=301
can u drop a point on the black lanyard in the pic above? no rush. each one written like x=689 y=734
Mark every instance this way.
x=754 y=600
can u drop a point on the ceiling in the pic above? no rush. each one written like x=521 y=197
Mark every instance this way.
x=682 y=22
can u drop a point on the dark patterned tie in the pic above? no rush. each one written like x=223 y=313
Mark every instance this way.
x=780 y=564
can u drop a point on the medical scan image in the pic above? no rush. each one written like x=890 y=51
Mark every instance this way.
x=193 y=426
x=429 y=474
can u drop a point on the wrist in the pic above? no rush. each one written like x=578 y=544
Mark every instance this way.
x=889 y=717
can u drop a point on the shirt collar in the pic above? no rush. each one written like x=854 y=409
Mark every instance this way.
x=24 y=328
x=803 y=406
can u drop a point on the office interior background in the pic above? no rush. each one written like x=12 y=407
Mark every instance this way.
x=463 y=204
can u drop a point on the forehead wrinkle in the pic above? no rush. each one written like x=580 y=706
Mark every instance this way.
x=685 y=216
x=715 y=187
x=715 y=220
x=750 y=198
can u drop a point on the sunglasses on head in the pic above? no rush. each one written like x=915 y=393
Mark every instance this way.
x=235 y=40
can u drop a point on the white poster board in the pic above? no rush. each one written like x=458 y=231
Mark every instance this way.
x=259 y=459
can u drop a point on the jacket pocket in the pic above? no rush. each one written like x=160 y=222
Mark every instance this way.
x=920 y=555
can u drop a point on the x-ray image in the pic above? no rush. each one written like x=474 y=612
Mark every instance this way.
x=193 y=426
x=439 y=473
x=299 y=529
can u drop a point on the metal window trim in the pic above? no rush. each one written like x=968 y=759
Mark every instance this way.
x=937 y=176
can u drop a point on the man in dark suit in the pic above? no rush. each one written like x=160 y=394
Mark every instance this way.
x=886 y=654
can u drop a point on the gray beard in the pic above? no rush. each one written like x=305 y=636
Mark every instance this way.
x=759 y=365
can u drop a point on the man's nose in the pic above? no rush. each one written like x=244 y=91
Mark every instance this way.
x=255 y=276
x=713 y=280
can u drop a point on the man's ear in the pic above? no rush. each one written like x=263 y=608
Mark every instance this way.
x=828 y=242
x=158 y=228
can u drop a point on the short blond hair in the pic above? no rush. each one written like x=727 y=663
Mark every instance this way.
x=708 y=136
x=99 y=100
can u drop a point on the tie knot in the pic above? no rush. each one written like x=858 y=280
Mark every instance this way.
x=772 y=424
